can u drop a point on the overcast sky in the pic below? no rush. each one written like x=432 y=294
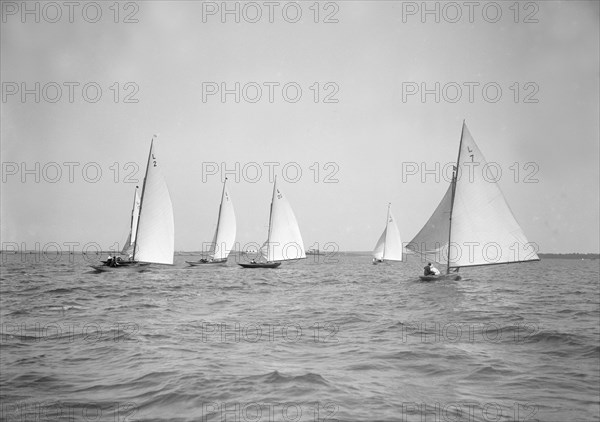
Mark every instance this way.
x=369 y=130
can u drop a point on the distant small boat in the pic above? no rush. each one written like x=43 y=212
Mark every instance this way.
x=284 y=241
x=152 y=232
x=473 y=220
x=224 y=236
x=389 y=245
x=260 y=264
x=313 y=252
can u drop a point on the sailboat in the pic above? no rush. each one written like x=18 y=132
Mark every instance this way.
x=153 y=239
x=389 y=245
x=224 y=236
x=284 y=241
x=472 y=225
x=130 y=242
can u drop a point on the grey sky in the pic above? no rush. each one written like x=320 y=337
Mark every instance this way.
x=369 y=57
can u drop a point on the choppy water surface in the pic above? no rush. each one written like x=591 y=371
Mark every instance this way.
x=312 y=340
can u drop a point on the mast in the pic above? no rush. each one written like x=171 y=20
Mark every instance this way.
x=387 y=222
x=131 y=223
x=142 y=196
x=454 y=176
x=219 y=216
x=270 y=216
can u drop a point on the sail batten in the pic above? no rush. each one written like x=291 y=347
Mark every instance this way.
x=155 y=241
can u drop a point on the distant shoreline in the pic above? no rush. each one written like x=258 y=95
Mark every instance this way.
x=569 y=255
x=541 y=255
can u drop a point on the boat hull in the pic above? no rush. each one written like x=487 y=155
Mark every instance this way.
x=206 y=262
x=129 y=267
x=261 y=265
x=454 y=277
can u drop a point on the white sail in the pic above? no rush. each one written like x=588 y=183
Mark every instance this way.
x=156 y=231
x=135 y=213
x=432 y=241
x=484 y=229
x=284 y=241
x=379 y=246
x=473 y=226
x=226 y=228
x=389 y=245
x=393 y=243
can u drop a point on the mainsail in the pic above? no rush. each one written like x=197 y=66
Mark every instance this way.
x=473 y=225
x=224 y=237
x=389 y=245
x=284 y=240
x=135 y=213
x=155 y=231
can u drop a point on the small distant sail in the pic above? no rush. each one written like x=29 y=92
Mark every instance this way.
x=389 y=245
x=135 y=213
x=284 y=240
x=156 y=229
x=224 y=236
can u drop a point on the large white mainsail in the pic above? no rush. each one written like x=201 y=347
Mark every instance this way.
x=473 y=225
x=389 y=245
x=135 y=213
x=156 y=230
x=224 y=237
x=284 y=240
x=483 y=228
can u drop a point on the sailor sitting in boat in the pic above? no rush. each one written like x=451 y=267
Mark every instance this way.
x=429 y=270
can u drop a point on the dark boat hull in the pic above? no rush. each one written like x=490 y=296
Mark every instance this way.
x=454 y=277
x=261 y=265
x=125 y=266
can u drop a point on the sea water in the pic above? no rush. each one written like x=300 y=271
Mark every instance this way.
x=322 y=339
